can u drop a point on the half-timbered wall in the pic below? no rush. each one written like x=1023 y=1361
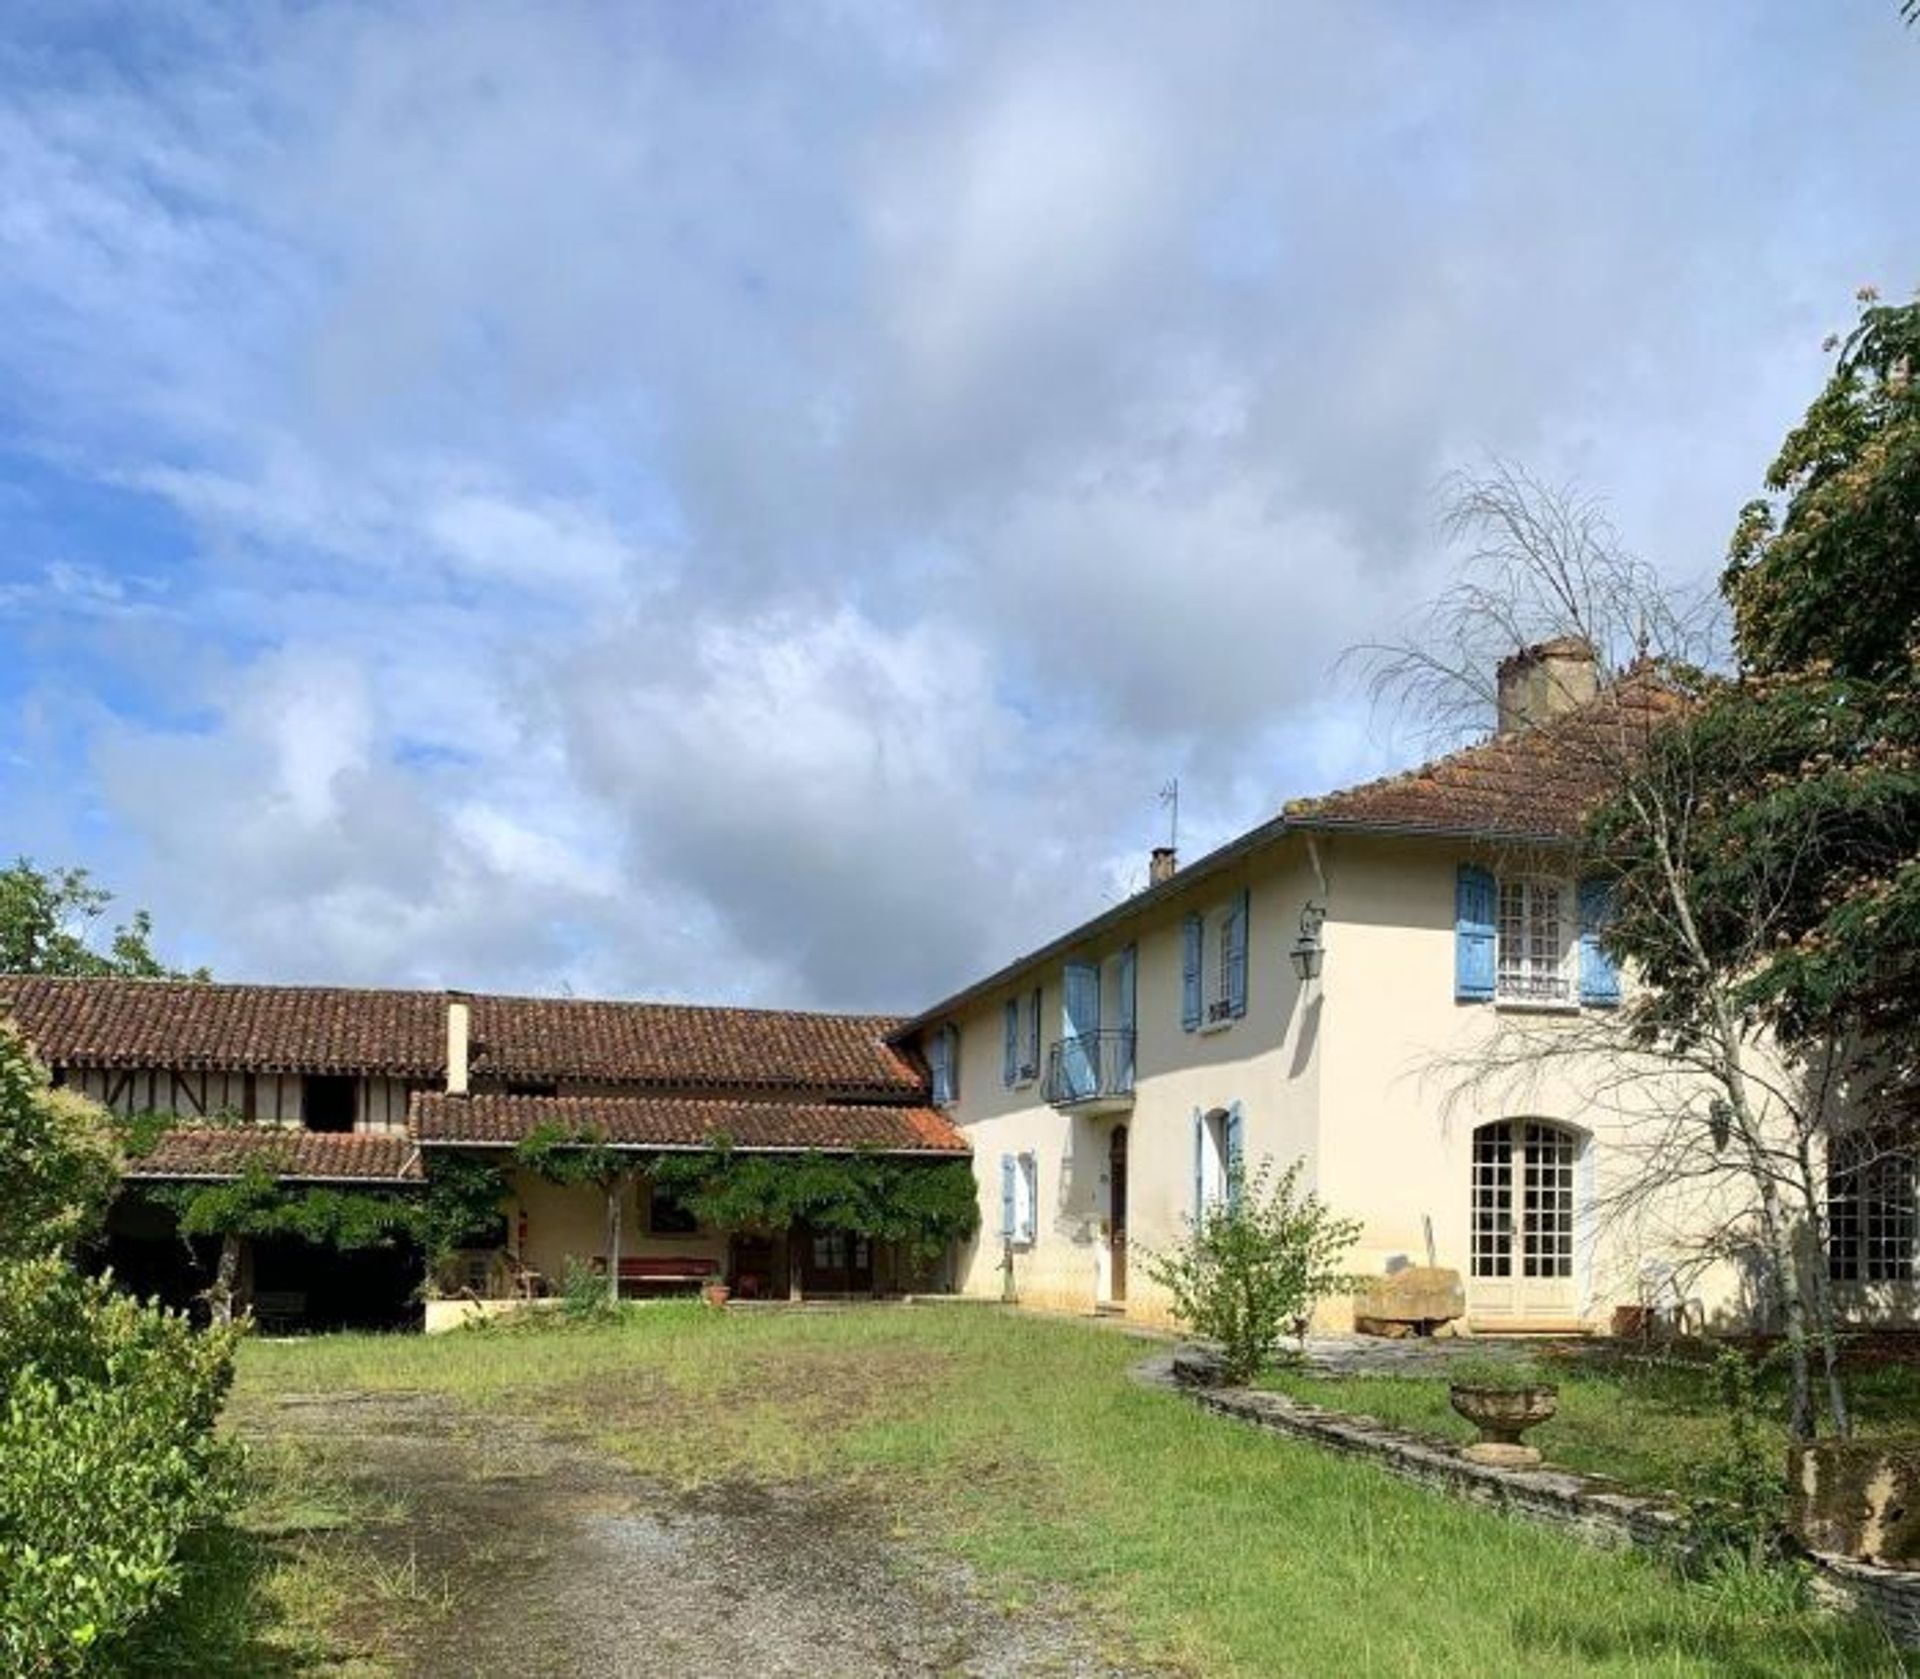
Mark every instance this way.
x=380 y=1105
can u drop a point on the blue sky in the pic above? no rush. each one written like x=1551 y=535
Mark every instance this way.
x=753 y=504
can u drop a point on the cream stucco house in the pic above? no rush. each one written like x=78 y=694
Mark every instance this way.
x=1312 y=991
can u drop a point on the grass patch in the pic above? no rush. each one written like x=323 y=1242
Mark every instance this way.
x=1021 y=1446
x=1644 y=1421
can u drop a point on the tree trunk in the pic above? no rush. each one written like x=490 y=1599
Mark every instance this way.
x=1825 y=1317
x=220 y=1295
x=614 y=1194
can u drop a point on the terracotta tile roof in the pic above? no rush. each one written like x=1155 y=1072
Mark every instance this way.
x=224 y=1151
x=687 y=1122
x=402 y=1034
x=1535 y=783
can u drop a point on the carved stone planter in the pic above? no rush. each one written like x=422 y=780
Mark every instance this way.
x=1502 y=1415
x=1858 y=1499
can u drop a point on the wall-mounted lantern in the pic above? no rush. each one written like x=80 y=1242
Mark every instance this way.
x=1308 y=953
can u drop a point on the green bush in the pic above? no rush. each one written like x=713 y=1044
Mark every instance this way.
x=1252 y=1266
x=108 y=1457
x=107 y=1460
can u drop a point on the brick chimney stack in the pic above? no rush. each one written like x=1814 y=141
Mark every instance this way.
x=1161 y=862
x=1546 y=681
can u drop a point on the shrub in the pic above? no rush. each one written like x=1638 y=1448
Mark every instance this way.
x=107 y=1460
x=1735 y=1502
x=1253 y=1265
x=107 y=1406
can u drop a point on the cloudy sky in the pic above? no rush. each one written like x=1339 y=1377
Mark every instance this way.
x=753 y=503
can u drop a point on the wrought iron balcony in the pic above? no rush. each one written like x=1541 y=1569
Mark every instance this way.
x=1094 y=1069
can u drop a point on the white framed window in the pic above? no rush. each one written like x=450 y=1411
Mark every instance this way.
x=1873 y=1211
x=1219 y=1154
x=1536 y=935
x=1020 y=1039
x=1214 y=991
x=943 y=1063
x=1020 y=1197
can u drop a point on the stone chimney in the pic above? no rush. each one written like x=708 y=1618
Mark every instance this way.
x=1540 y=683
x=459 y=1036
x=1161 y=862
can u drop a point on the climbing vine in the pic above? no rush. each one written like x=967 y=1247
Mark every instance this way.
x=921 y=1206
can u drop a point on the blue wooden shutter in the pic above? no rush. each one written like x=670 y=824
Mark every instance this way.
x=953 y=1063
x=1599 y=978
x=937 y=1064
x=1190 y=973
x=1080 y=1054
x=1010 y=1044
x=1006 y=1197
x=1473 y=934
x=1199 y=1165
x=1236 y=1158
x=1129 y=1017
x=1030 y=1192
x=1237 y=919
x=1033 y=1033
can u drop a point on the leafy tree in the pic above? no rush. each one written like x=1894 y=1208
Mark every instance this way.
x=1252 y=1265
x=47 y=926
x=57 y=1159
x=1819 y=797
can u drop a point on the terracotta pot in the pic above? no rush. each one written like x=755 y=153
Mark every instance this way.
x=1632 y=1323
x=716 y=1294
x=1504 y=1414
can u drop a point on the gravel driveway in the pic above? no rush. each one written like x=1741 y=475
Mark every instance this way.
x=546 y=1557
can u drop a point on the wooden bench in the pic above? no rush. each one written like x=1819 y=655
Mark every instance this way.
x=670 y=1268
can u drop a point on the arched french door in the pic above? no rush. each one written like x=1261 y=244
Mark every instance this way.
x=1525 y=1205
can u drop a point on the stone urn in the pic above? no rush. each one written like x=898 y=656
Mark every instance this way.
x=1503 y=1414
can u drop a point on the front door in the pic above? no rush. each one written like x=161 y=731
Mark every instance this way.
x=1117 y=1214
x=837 y=1262
x=1523 y=1214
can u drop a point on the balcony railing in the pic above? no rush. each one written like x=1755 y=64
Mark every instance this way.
x=1092 y=1067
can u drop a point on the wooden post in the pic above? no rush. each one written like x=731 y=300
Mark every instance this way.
x=615 y=1188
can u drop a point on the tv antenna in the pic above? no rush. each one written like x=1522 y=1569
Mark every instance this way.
x=1170 y=797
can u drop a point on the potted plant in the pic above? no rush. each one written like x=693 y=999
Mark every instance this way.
x=716 y=1292
x=1503 y=1399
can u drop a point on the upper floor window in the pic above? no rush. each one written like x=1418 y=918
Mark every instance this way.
x=1534 y=947
x=943 y=1061
x=1020 y=1039
x=1214 y=966
x=1531 y=939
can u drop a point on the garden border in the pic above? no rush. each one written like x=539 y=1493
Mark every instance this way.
x=1586 y=1506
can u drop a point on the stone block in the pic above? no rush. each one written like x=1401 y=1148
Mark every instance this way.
x=1858 y=1498
x=1417 y=1300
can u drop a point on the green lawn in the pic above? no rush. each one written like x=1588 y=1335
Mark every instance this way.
x=1644 y=1421
x=1021 y=1446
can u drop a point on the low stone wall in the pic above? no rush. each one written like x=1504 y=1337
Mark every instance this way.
x=1598 y=1513
x=1591 y=1509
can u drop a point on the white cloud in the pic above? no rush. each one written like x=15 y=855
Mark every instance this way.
x=685 y=504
